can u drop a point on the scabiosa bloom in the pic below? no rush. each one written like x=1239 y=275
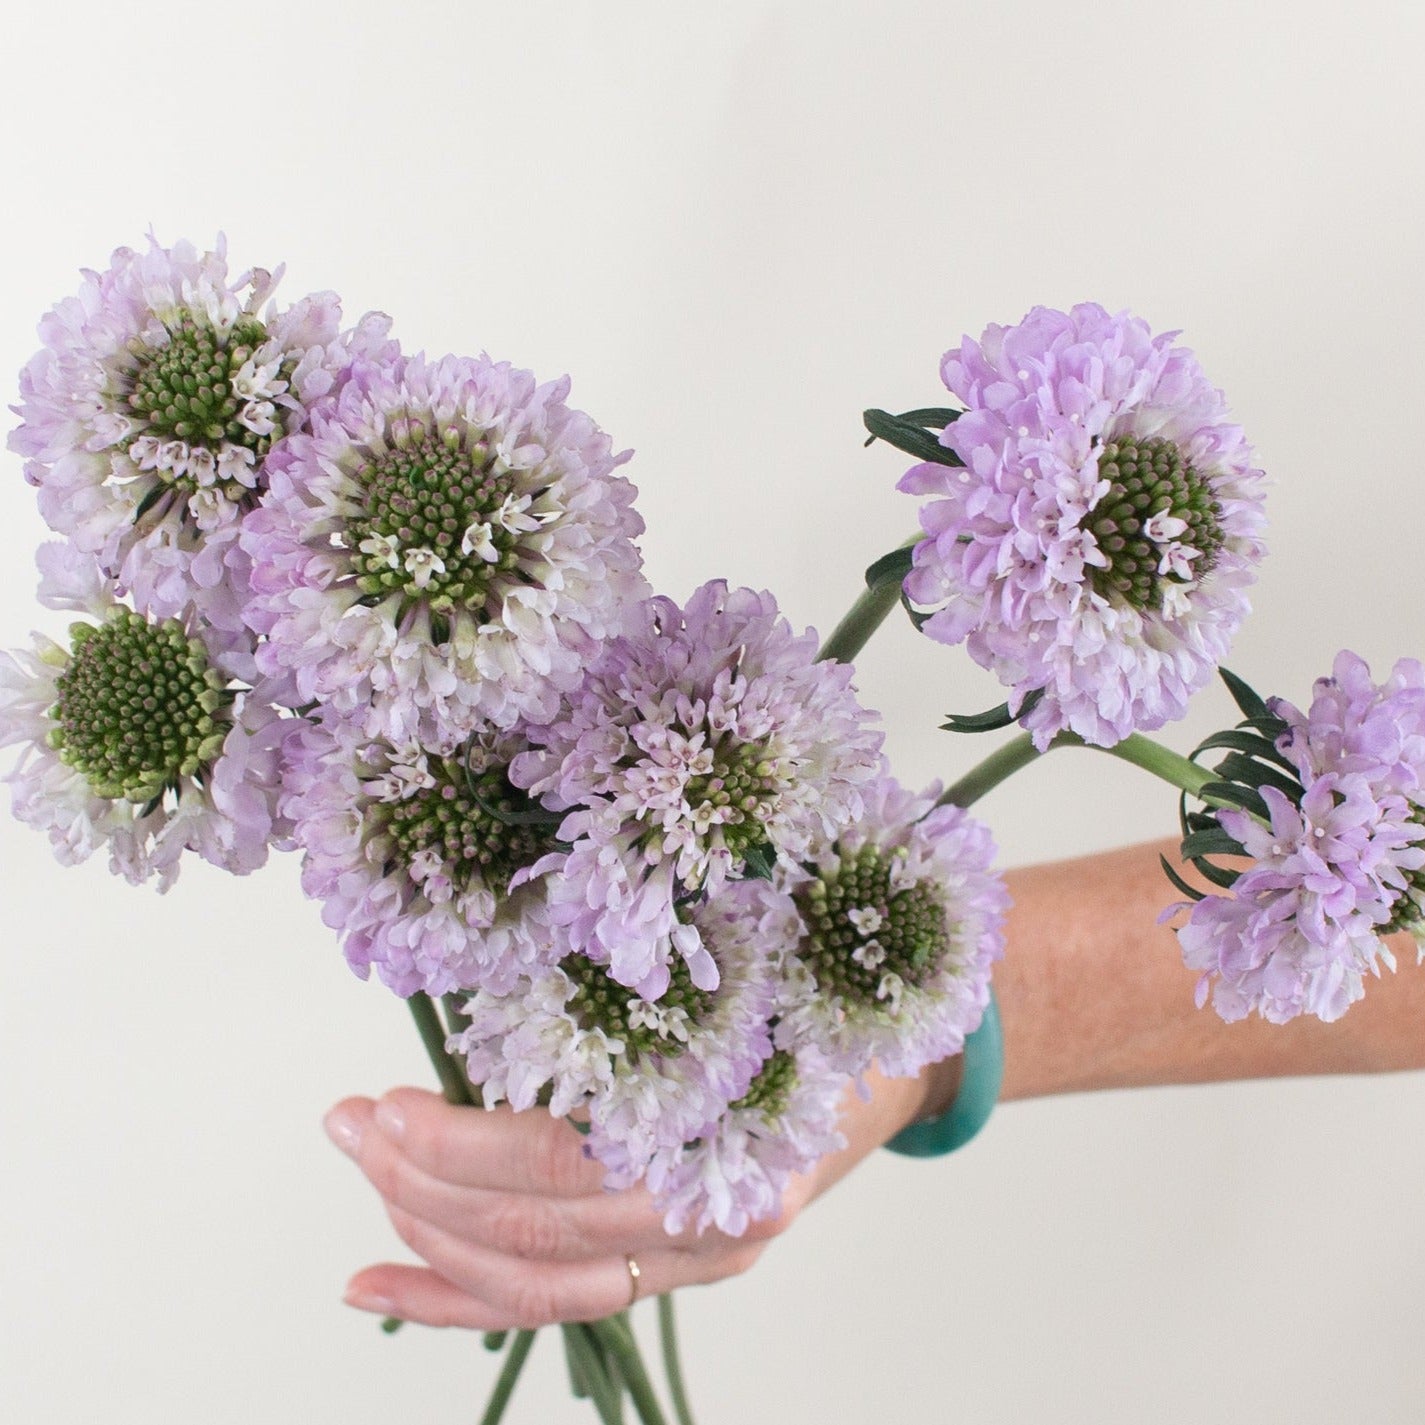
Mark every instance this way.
x=134 y=737
x=895 y=927
x=700 y=736
x=1336 y=864
x=736 y=1173
x=446 y=547
x=148 y=413
x=1095 y=544
x=647 y=1073
x=413 y=850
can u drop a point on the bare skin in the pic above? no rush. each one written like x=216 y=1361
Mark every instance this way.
x=515 y=1228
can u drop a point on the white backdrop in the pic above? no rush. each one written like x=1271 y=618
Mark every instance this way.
x=736 y=226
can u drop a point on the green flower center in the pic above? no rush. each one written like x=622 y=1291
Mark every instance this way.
x=600 y=1002
x=435 y=523
x=1149 y=479
x=771 y=1091
x=184 y=390
x=468 y=823
x=741 y=793
x=136 y=707
x=860 y=928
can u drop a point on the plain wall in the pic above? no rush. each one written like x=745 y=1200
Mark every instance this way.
x=736 y=226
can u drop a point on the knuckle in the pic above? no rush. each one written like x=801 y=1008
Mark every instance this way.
x=524 y=1228
x=531 y=1305
x=554 y=1160
x=735 y=1261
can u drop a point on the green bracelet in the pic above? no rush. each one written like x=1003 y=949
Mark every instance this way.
x=981 y=1073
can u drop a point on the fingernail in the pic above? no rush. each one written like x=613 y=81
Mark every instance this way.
x=390 y=1120
x=369 y=1301
x=343 y=1132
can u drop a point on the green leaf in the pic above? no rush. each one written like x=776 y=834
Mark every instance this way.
x=1190 y=891
x=1215 y=842
x=1218 y=875
x=1245 y=697
x=1236 y=796
x=906 y=436
x=1240 y=740
x=889 y=569
x=1246 y=772
x=994 y=718
x=759 y=861
x=151 y=499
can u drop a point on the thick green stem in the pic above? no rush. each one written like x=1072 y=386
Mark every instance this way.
x=452 y=1080
x=509 y=1374
x=672 y=1366
x=618 y=1340
x=1170 y=766
x=864 y=617
x=582 y=1345
x=987 y=775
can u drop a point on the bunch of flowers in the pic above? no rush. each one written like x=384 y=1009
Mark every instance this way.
x=389 y=612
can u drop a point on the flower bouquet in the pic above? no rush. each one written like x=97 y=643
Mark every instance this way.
x=635 y=862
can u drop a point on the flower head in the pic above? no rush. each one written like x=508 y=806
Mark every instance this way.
x=445 y=548
x=1338 y=858
x=650 y=1074
x=419 y=854
x=150 y=410
x=1093 y=544
x=897 y=924
x=698 y=738
x=133 y=736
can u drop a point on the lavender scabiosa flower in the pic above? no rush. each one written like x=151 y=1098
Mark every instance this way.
x=650 y=1075
x=149 y=411
x=702 y=735
x=420 y=854
x=1093 y=543
x=736 y=1172
x=1338 y=859
x=133 y=736
x=447 y=547
x=897 y=924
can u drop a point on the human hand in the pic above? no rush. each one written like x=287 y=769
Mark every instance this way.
x=514 y=1223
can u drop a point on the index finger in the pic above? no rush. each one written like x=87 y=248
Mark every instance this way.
x=496 y=1148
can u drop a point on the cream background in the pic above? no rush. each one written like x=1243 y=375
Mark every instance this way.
x=736 y=225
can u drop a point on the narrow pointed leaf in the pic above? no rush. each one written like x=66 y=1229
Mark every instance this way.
x=1236 y=796
x=912 y=439
x=889 y=569
x=1245 y=697
x=1218 y=875
x=1211 y=843
x=1190 y=891
x=1240 y=740
x=1247 y=772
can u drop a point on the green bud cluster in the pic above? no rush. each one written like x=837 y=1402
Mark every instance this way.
x=771 y=1091
x=426 y=494
x=1148 y=477
x=184 y=390
x=744 y=780
x=600 y=1002
x=913 y=932
x=464 y=820
x=137 y=707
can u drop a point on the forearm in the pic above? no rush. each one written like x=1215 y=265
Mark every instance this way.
x=1093 y=994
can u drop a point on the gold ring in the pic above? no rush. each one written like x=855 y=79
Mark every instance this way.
x=633 y=1275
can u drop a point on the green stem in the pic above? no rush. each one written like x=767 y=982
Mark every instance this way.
x=580 y=1342
x=619 y=1341
x=672 y=1367
x=452 y=1080
x=986 y=775
x=1162 y=762
x=864 y=617
x=509 y=1374
x=1173 y=768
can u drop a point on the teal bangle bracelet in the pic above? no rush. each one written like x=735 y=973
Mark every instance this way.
x=981 y=1074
